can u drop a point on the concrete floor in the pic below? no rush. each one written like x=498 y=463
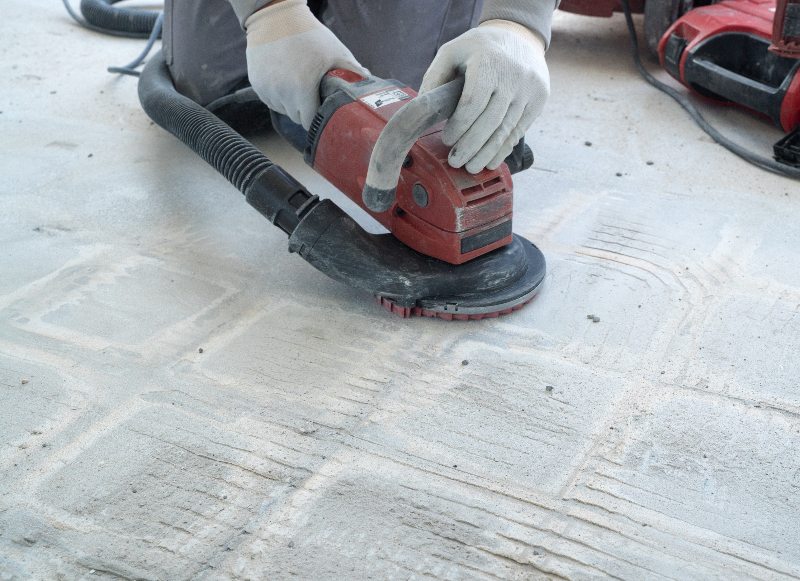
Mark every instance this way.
x=317 y=437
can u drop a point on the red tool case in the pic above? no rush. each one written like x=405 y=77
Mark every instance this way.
x=723 y=52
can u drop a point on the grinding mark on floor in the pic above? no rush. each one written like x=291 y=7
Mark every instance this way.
x=412 y=517
x=651 y=536
x=424 y=522
x=217 y=455
x=692 y=312
x=611 y=484
x=36 y=287
x=224 y=471
x=549 y=538
x=552 y=221
x=65 y=455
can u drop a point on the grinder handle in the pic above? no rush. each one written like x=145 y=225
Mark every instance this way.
x=401 y=133
x=399 y=136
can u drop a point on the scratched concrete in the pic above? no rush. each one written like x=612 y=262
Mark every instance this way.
x=315 y=436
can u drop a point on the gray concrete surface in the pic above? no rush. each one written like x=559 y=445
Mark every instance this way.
x=315 y=436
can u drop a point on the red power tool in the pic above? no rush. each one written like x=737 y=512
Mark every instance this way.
x=723 y=52
x=450 y=252
x=381 y=145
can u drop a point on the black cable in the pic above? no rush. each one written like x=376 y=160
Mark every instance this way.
x=90 y=26
x=152 y=37
x=130 y=68
x=744 y=153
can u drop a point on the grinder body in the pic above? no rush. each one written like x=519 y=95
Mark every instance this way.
x=438 y=210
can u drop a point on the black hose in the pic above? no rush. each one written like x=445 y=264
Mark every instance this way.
x=747 y=155
x=103 y=16
x=266 y=186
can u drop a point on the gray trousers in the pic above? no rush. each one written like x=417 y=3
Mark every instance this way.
x=205 y=47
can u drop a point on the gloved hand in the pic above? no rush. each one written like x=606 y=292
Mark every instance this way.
x=506 y=84
x=288 y=53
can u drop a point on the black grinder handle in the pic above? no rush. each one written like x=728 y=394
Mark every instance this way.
x=722 y=77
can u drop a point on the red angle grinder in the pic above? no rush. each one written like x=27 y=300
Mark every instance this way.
x=382 y=148
x=450 y=253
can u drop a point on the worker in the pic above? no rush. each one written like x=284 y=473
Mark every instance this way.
x=285 y=47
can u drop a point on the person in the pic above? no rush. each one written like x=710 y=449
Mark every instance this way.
x=283 y=48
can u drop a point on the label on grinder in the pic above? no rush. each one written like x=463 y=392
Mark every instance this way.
x=383 y=98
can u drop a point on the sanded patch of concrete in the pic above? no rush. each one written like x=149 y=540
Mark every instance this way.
x=317 y=437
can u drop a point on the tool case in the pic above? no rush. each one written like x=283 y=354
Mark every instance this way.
x=722 y=51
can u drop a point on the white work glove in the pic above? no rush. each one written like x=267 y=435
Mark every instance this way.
x=506 y=84
x=288 y=53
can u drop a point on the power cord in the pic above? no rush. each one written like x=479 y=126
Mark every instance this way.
x=683 y=100
x=130 y=68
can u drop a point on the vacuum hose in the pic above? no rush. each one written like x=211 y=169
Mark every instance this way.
x=102 y=15
x=266 y=186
